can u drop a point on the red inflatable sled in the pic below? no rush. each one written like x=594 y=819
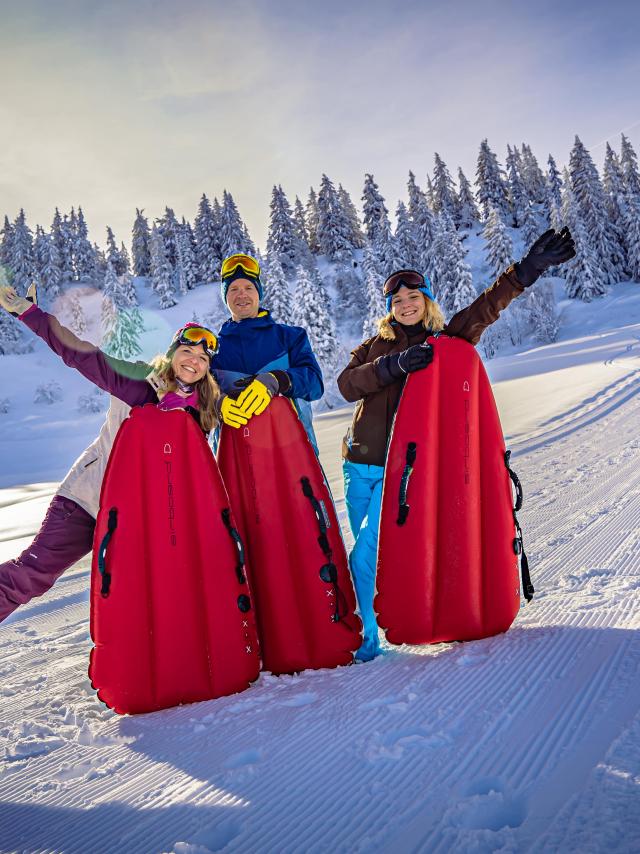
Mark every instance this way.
x=449 y=536
x=300 y=580
x=171 y=617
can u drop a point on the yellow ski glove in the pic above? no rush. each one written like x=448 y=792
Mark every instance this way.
x=231 y=413
x=257 y=395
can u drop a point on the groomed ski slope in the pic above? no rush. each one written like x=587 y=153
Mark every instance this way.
x=529 y=741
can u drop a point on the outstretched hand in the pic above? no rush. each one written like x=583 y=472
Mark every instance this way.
x=549 y=250
x=17 y=305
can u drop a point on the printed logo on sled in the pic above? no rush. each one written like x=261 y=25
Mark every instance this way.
x=170 y=503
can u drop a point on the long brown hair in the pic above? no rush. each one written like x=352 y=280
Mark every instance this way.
x=207 y=388
x=433 y=320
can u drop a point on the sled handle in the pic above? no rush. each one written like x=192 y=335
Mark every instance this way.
x=112 y=524
x=403 y=507
x=518 y=543
x=329 y=572
x=237 y=539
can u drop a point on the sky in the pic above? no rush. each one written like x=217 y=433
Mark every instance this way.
x=119 y=105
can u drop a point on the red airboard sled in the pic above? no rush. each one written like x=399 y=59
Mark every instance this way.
x=447 y=567
x=171 y=617
x=300 y=580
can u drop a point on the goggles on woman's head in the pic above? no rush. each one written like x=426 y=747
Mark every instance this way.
x=248 y=264
x=192 y=334
x=407 y=278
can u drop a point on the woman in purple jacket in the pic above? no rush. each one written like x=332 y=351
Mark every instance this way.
x=179 y=379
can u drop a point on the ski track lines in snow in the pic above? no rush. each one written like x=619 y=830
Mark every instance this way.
x=526 y=741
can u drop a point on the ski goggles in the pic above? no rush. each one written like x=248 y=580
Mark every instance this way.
x=195 y=334
x=409 y=279
x=248 y=264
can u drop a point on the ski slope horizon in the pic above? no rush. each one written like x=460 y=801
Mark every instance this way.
x=528 y=741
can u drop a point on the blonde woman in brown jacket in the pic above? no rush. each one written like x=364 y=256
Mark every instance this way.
x=375 y=377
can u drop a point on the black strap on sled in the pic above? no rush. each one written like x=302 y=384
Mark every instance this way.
x=518 y=543
x=235 y=536
x=329 y=571
x=112 y=524
x=403 y=507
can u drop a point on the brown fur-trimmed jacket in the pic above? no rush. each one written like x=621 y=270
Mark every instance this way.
x=366 y=441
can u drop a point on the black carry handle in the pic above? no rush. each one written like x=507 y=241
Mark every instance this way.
x=518 y=542
x=112 y=524
x=328 y=572
x=403 y=507
x=235 y=536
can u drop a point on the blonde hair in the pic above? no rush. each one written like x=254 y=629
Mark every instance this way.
x=207 y=388
x=433 y=320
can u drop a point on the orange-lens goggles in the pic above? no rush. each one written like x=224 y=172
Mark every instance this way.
x=199 y=335
x=248 y=264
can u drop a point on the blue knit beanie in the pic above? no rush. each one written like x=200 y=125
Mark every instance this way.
x=239 y=273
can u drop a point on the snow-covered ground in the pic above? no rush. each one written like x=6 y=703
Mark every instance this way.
x=529 y=741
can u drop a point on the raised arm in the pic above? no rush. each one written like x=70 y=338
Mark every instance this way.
x=125 y=380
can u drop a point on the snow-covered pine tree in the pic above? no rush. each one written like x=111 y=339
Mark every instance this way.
x=21 y=260
x=444 y=191
x=615 y=199
x=51 y=269
x=333 y=225
x=312 y=313
x=168 y=227
x=78 y=321
x=125 y=260
x=140 y=245
x=113 y=253
x=12 y=338
x=101 y=263
x=629 y=166
x=423 y=221
x=187 y=263
x=282 y=240
x=84 y=257
x=299 y=221
x=532 y=224
x=40 y=253
x=356 y=236
x=499 y=252
x=161 y=272
x=492 y=190
x=6 y=239
x=277 y=295
x=553 y=204
x=207 y=239
x=632 y=233
x=123 y=342
x=233 y=232
x=375 y=307
x=453 y=281
x=405 y=244
x=67 y=247
x=518 y=195
x=532 y=177
x=590 y=202
x=311 y=220
x=540 y=307
x=429 y=194
x=467 y=210
x=375 y=213
x=582 y=278
x=109 y=310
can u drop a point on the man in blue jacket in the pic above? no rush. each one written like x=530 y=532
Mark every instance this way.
x=261 y=357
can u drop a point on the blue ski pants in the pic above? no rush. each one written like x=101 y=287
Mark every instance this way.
x=363 y=497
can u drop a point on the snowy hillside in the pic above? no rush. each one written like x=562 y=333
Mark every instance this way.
x=529 y=741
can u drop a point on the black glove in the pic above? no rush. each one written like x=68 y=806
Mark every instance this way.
x=550 y=249
x=397 y=365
